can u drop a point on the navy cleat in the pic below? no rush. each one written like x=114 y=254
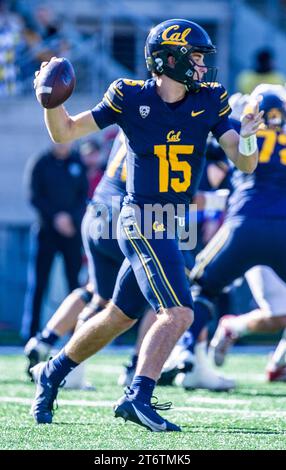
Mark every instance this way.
x=46 y=393
x=144 y=414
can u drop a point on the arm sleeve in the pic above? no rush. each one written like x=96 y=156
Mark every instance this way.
x=110 y=109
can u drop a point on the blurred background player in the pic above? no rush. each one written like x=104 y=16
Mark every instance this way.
x=269 y=293
x=58 y=186
x=276 y=367
x=104 y=260
x=247 y=238
x=268 y=290
x=90 y=152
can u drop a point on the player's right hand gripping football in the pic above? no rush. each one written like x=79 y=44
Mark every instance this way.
x=43 y=64
x=54 y=82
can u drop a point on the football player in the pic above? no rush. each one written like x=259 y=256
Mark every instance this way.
x=166 y=120
x=251 y=235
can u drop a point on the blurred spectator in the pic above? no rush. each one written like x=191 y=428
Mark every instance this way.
x=43 y=38
x=49 y=29
x=58 y=191
x=92 y=159
x=264 y=72
x=10 y=39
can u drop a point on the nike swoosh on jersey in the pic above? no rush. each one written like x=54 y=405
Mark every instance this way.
x=196 y=113
x=148 y=422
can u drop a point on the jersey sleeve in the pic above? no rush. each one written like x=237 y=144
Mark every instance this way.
x=110 y=109
x=223 y=110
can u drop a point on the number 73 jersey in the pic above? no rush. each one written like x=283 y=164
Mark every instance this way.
x=262 y=194
x=165 y=142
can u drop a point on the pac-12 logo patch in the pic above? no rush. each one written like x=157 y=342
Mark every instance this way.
x=144 y=111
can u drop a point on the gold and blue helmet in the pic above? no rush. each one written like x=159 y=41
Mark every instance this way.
x=274 y=108
x=272 y=100
x=178 y=38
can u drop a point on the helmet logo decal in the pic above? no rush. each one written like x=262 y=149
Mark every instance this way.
x=176 y=39
x=173 y=136
x=144 y=111
x=159 y=66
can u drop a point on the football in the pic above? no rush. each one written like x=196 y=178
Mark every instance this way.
x=55 y=83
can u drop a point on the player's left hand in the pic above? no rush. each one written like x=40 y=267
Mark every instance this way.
x=252 y=121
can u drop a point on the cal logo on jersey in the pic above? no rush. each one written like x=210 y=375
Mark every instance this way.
x=173 y=136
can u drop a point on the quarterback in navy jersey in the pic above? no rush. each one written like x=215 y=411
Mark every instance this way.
x=166 y=121
x=166 y=145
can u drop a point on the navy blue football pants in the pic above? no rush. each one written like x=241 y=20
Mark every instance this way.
x=157 y=263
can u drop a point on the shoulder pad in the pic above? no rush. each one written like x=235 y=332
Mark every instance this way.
x=114 y=96
x=220 y=96
x=137 y=83
x=118 y=90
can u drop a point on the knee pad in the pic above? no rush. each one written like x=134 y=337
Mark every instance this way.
x=84 y=294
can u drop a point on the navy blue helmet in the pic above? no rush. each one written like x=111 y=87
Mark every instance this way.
x=177 y=38
x=274 y=109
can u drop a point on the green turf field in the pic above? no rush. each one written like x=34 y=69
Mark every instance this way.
x=251 y=417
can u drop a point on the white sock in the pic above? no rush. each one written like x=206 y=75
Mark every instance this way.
x=201 y=355
x=239 y=324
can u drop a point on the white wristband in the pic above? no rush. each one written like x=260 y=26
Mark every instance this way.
x=247 y=145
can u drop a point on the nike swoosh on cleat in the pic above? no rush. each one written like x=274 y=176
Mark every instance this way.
x=148 y=422
x=196 y=113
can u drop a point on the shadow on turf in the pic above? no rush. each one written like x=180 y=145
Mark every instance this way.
x=192 y=429
x=253 y=394
x=73 y=423
x=233 y=430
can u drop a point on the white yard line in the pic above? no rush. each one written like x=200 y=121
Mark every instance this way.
x=190 y=409
x=218 y=401
x=249 y=376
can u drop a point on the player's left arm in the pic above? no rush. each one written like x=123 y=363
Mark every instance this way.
x=241 y=148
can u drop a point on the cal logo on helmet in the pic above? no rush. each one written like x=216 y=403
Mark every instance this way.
x=176 y=39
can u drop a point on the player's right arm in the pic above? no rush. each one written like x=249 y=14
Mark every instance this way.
x=65 y=128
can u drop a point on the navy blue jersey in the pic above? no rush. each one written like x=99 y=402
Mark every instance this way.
x=113 y=182
x=165 y=146
x=262 y=193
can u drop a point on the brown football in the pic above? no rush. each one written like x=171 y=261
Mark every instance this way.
x=55 y=83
